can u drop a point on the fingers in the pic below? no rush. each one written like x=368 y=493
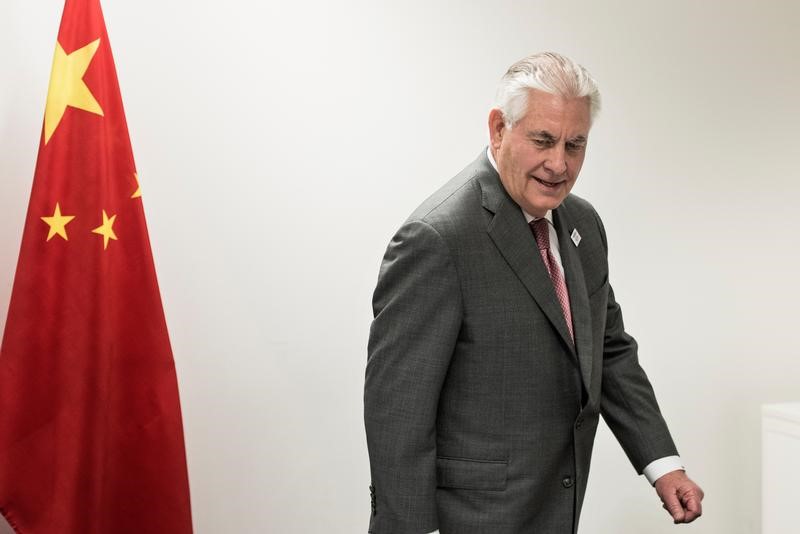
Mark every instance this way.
x=673 y=505
x=681 y=497
x=692 y=512
x=693 y=507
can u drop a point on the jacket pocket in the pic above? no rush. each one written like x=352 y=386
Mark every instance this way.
x=466 y=473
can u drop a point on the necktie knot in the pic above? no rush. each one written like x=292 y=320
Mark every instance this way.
x=541 y=231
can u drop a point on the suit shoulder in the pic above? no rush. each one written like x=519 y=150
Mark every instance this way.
x=448 y=198
x=454 y=207
x=581 y=208
x=579 y=205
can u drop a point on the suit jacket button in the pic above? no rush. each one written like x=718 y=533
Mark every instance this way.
x=567 y=482
x=579 y=422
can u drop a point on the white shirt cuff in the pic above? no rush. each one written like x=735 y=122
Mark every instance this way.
x=658 y=468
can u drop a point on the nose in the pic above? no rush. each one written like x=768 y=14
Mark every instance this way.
x=556 y=162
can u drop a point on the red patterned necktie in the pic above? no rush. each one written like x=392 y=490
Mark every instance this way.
x=541 y=230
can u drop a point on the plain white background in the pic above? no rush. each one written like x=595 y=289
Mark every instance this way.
x=280 y=145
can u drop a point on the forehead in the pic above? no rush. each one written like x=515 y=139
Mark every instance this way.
x=556 y=114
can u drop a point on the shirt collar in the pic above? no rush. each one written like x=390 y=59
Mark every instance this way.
x=528 y=216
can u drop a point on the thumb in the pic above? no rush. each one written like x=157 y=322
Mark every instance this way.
x=674 y=507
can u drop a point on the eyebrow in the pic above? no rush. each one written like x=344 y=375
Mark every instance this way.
x=542 y=134
x=547 y=136
x=578 y=140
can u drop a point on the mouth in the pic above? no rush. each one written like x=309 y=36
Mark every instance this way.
x=549 y=185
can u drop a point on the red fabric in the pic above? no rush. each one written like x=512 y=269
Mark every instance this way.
x=91 y=438
x=541 y=231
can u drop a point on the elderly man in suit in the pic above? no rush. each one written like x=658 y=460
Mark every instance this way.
x=497 y=342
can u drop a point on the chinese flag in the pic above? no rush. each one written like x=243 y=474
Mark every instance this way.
x=91 y=439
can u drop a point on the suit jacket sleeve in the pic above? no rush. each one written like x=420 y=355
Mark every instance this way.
x=628 y=403
x=417 y=307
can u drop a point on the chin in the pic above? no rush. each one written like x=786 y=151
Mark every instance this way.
x=540 y=208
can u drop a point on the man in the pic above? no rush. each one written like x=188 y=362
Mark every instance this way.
x=497 y=342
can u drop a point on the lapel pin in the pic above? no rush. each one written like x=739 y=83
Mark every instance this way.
x=576 y=237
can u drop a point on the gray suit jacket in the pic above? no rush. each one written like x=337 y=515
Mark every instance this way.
x=480 y=411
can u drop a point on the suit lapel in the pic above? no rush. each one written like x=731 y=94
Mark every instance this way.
x=513 y=238
x=576 y=286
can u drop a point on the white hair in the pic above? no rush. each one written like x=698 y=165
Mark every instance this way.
x=548 y=72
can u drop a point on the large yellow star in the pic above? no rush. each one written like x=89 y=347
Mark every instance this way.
x=106 y=229
x=58 y=223
x=67 y=87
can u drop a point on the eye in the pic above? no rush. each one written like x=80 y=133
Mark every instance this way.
x=574 y=147
x=541 y=143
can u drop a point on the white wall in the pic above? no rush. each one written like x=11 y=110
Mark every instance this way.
x=281 y=144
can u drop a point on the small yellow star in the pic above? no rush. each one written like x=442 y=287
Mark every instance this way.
x=138 y=192
x=67 y=87
x=106 y=229
x=58 y=223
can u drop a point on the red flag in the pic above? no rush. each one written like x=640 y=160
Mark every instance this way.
x=91 y=439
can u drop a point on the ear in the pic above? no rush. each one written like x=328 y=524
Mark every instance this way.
x=497 y=128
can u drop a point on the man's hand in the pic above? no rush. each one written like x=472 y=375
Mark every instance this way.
x=682 y=498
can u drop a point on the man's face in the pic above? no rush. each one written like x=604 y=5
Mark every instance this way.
x=540 y=157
